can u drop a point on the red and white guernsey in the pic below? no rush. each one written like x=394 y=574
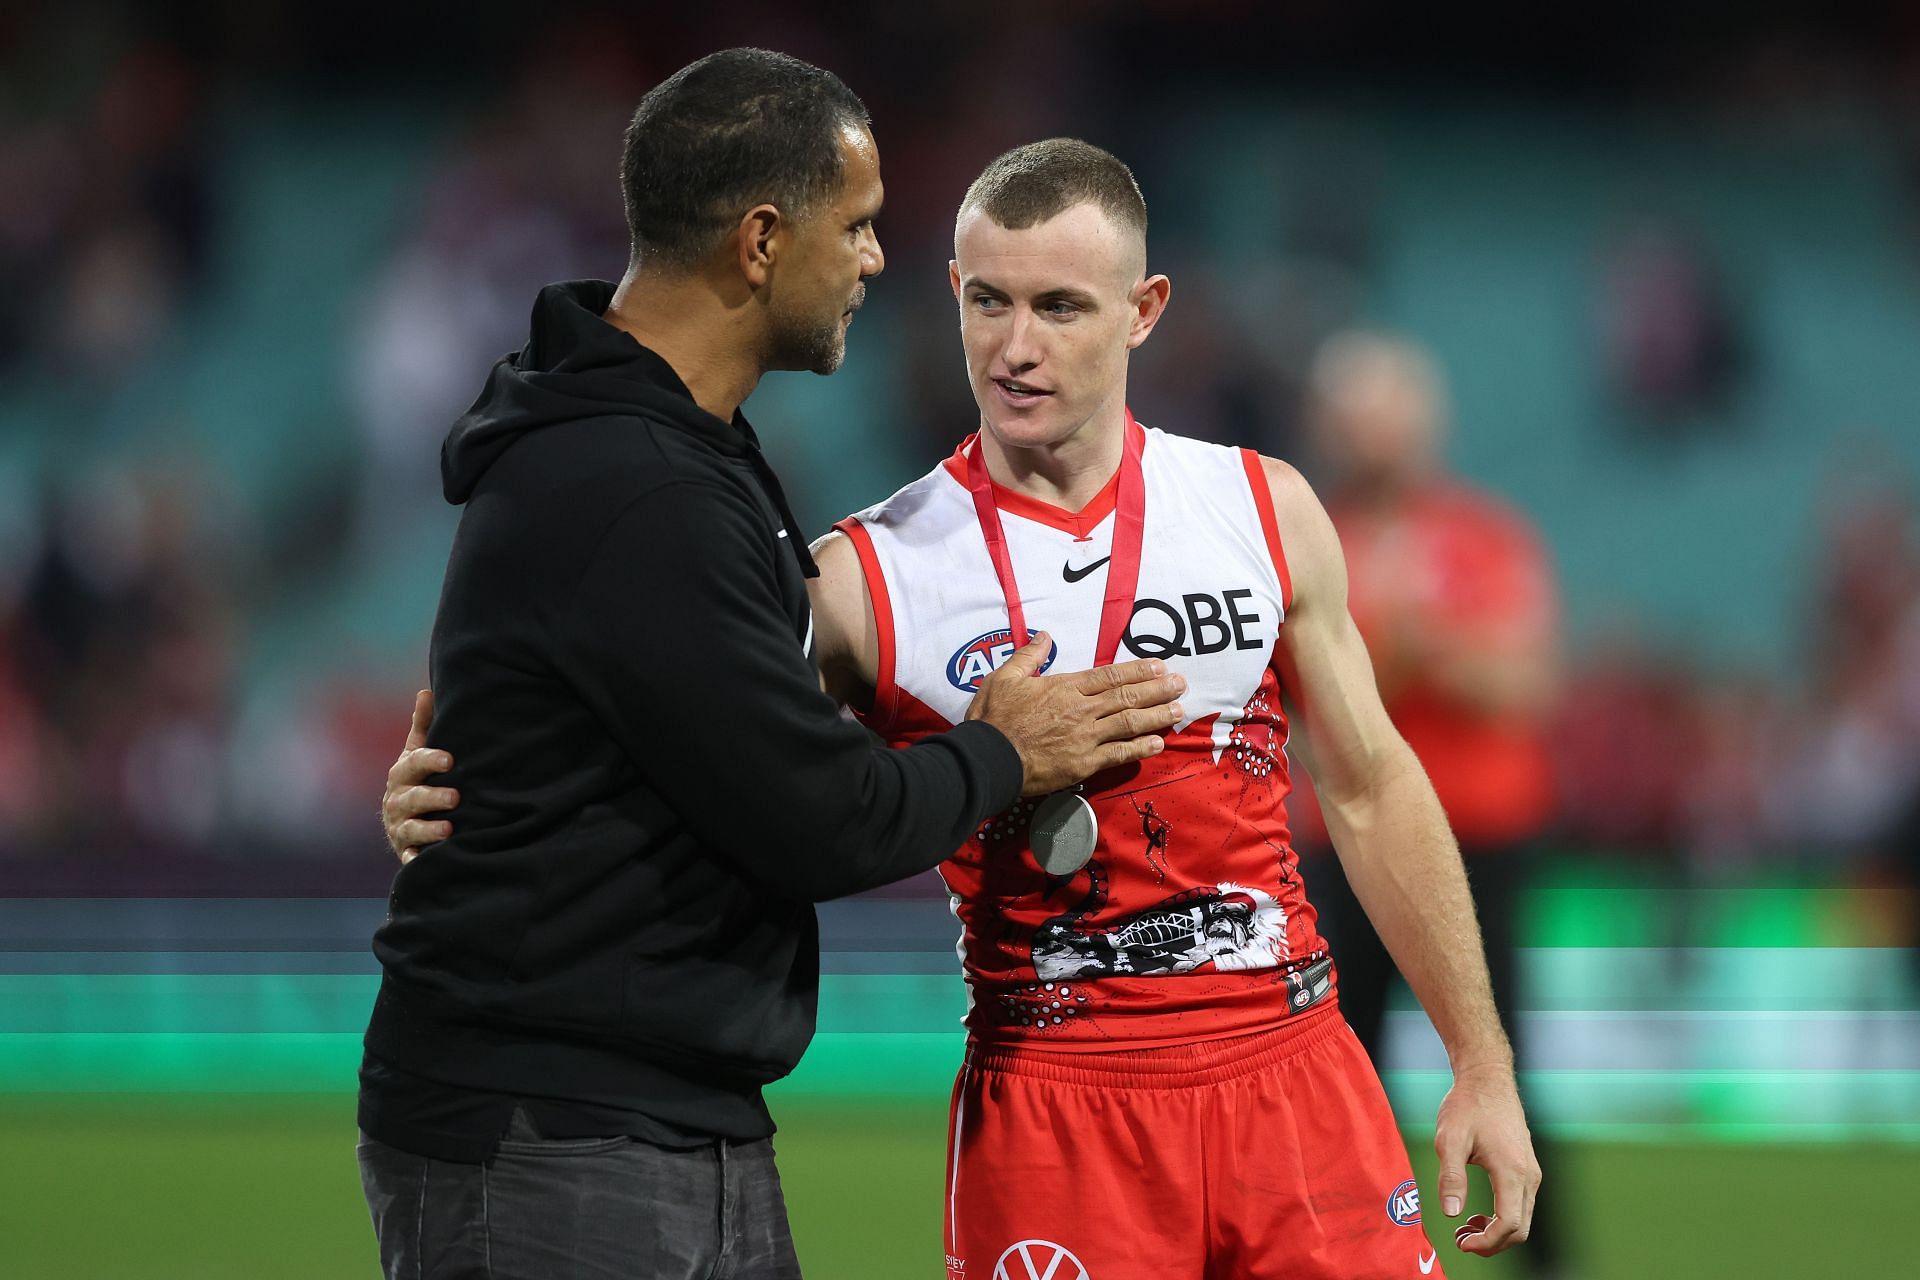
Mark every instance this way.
x=1190 y=921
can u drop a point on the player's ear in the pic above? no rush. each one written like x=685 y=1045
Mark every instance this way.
x=758 y=243
x=1149 y=304
x=953 y=278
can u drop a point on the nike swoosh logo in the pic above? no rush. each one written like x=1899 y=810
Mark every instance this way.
x=1072 y=574
x=1426 y=1264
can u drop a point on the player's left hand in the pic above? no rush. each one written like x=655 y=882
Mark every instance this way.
x=408 y=797
x=1481 y=1122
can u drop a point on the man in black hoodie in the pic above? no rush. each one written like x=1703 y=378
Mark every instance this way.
x=588 y=984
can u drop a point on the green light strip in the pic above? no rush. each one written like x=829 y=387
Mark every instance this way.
x=330 y=1004
x=1770 y=1104
x=897 y=1035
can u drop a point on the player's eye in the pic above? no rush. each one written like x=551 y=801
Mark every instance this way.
x=1059 y=309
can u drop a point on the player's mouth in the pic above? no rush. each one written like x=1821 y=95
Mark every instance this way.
x=1019 y=394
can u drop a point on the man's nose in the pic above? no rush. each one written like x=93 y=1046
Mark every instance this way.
x=1022 y=351
x=873 y=259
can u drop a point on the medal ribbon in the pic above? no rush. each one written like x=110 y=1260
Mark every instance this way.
x=1123 y=569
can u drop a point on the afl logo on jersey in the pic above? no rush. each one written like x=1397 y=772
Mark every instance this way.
x=1403 y=1206
x=979 y=657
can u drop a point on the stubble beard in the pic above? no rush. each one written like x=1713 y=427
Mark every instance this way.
x=817 y=348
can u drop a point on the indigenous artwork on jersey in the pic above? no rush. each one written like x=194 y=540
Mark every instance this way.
x=1256 y=744
x=1228 y=926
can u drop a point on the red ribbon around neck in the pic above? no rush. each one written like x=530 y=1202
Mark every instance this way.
x=1123 y=569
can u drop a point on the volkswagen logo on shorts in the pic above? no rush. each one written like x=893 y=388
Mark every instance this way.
x=1403 y=1206
x=979 y=657
x=1039 y=1260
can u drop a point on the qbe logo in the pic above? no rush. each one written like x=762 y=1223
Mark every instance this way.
x=981 y=656
x=1403 y=1206
x=1039 y=1260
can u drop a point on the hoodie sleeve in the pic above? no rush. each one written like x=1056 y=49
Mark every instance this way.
x=677 y=636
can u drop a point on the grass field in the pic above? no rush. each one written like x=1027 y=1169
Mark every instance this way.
x=263 y=1187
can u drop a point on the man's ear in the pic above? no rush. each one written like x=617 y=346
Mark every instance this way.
x=953 y=278
x=755 y=236
x=1149 y=304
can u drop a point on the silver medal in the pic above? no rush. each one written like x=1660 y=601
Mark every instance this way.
x=1063 y=834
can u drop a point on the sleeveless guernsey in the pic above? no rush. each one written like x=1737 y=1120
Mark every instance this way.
x=1190 y=921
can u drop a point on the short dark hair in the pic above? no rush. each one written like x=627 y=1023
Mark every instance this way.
x=1028 y=185
x=737 y=128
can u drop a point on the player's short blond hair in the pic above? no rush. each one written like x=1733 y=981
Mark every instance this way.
x=1029 y=185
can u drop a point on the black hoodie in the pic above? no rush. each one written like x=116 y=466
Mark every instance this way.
x=654 y=790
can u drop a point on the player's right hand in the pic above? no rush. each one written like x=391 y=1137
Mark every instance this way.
x=1069 y=727
x=408 y=797
x=1482 y=1122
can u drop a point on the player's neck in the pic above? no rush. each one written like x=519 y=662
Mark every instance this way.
x=1067 y=474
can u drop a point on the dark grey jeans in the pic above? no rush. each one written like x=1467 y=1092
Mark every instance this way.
x=580 y=1209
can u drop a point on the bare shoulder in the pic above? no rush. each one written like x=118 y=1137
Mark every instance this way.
x=833 y=552
x=840 y=592
x=1290 y=490
x=1307 y=537
x=846 y=639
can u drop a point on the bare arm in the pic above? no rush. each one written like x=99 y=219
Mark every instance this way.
x=1400 y=856
x=846 y=639
x=846 y=649
x=1064 y=727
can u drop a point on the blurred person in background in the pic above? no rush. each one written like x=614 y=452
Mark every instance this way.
x=1861 y=740
x=128 y=642
x=519 y=202
x=107 y=216
x=1454 y=595
x=24 y=780
x=1669 y=332
x=1854 y=789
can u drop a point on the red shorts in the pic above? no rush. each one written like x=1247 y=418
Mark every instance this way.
x=1254 y=1158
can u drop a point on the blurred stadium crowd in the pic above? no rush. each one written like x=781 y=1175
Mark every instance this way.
x=250 y=269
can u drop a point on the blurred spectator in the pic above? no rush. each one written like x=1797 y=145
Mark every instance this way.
x=521 y=202
x=1856 y=787
x=1625 y=741
x=43 y=178
x=21 y=731
x=299 y=763
x=126 y=642
x=106 y=216
x=1456 y=599
x=1737 y=735
x=1668 y=329
x=1859 y=744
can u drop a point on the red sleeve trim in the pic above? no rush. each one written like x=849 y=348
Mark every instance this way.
x=886 y=697
x=1269 y=524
